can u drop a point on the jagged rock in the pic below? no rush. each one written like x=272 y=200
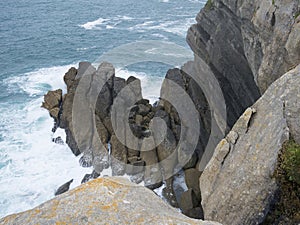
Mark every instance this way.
x=192 y=180
x=238 y=186
x=58 y=140
x=188 y=200
x=89 y=177
x=92 y=93
x=69 y=78
x=167 y=155
x=259 y=50
x=63 y=188
x=152 y=177
x=52 y=101
x=118 y=156
x=104 y=201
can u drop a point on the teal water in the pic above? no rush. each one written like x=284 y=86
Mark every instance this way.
x=39 y=41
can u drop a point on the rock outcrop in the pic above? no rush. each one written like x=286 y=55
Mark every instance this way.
x=52 y=102
x=247 y=46
x=240 y=48
x=237 y=185
x=104 y=201
x=246 y=41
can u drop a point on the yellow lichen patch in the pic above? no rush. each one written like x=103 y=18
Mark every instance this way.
x=222 y=143
x=9 y=218
x=111 y=207
x=62 y=223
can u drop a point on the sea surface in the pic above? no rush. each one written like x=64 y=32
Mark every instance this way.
x=39 y=41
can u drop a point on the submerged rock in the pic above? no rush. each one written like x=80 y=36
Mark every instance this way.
x=104 y=201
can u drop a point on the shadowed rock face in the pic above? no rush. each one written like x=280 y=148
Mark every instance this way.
x=238 y=185
x=247 y=42
x=104 y=201
x=247 y=45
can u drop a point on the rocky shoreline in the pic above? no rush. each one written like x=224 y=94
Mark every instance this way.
x=252 y=49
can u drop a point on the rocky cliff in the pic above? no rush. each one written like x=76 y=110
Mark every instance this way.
x=241 y=47
x=238 y=185
x=247 y=45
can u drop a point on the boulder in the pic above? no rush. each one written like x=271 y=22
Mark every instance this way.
x=188 y=201
x=192 y=180
x=238 y=185
x=52 y=102
x=118 y=156
x=111 y=200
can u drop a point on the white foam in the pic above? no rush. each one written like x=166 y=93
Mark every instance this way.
x=178 y=27
x=33 y=167
x=105 y=23
x=38 y=82
x=94 y=24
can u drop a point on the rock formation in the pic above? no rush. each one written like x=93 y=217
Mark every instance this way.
x=240 y=48
x=104 y=201
x=238 y=185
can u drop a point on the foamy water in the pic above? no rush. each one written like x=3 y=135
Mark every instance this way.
x=32 y=166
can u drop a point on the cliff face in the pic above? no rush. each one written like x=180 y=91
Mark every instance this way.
x=248 y=45
x=241 y=171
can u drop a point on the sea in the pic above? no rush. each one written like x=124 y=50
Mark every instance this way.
x=39 y=41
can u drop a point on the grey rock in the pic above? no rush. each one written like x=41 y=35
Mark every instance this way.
x=63 y=188
x=118 y=156
x=152 y=176
x=192 y=177
x=52 y=102
x=104 y=201
x=238 y=186
x=196 y=213
x=188 y=200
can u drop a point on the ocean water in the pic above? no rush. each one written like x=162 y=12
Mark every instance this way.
x=39 y=41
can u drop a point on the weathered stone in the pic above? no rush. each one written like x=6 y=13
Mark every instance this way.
x=238 y=186
x=192 y=162
x=167 y=155
x=192 y=181
x=188 y=200
x=69 y=77
x=52 y=99
x=153 y=177
x=196 y=213
x=104 y=201
x=118 y=156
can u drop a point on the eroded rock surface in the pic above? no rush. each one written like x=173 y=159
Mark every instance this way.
x=104 y=201
x=238 y=186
